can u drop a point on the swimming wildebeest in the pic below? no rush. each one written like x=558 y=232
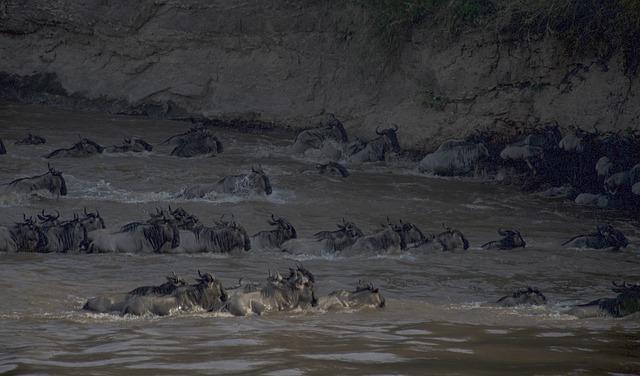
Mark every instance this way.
x=410 y=235
x=625 y=303
x=376 y=149
x=31 y=139
x=183 y=220
x=257 y=182
x=385 y=239
x=136 y=237
x=316 y=138
x=198 y=142
x=332 y=168
x=64 y=236
x=130 y=144
x=452 y=239
x=84 y=148
x=345 y=236
x=606 y=236
x=20 y=237
x=525 y=296
x=272 y=239
x=364 y=296
x=511 y=239
x=224 y=237
x=281 y=294
x=51 y=181
x=206 y=294
x=3 y=150
x=190 y=135
x=454 y=158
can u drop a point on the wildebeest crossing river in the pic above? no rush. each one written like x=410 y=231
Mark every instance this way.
x=437 y=320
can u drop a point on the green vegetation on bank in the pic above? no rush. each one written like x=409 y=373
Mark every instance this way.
x=586 y=28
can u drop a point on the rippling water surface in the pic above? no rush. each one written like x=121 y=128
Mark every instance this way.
x=437 y=319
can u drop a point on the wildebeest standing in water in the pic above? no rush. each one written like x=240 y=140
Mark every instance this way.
x=511 y=239
x=281 y=294
x=3 y=150
x=136 y=238
x=257 y=182
x=31 y=139
x=200 y=141
x=21 y=237
x=51 y=181
x=65 y=236
x=627 y=302
x=134 y=144
x=273 y=239
x=606 y=236
x=525 y=296
x=386 y=239
x=92 y=221
x=374 y=150
x=84 y=148
x=330 y=137
x=364 y=296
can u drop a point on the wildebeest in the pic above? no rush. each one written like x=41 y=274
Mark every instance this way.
x=511 y=239
x=345 y=236
x=84 y=148
x=283 y=294
x=51 y=181
x=605 y=236
x=385 y=239
x=130 y=144
x=272 y=239
x=3 y=150
x=65 y=236
x=20 y=237
x=533 y=145
x=595 y=200
x=197 y=142
x=376 y=149
x=187 y=136
x=627 y=302
x=92 y=221
x=332 y=168
x=225 y=237
x=316 y=138
x=183 y=220
x=257 y=182
x=31 y=139
x=207 y=294
x=364 y=296
x=454 y=158
x=451 y=239
x=525 y=296
x=136 y=237
x=410 y=235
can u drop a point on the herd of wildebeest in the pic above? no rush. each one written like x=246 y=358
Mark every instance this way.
x=603 y=167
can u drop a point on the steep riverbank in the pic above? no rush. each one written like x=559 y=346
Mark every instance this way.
x=287 y=63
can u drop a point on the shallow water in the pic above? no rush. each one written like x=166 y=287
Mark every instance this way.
x=437 y=319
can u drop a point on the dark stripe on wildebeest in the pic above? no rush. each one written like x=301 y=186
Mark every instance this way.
x=3 y=150
x=20 y=237
x=63 y=237
x=52 y=181
x=31 y=139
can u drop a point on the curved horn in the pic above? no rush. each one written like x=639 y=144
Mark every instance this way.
x=378 y=132
x=395 y=128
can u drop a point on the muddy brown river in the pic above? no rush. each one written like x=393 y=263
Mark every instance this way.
x=437 y=320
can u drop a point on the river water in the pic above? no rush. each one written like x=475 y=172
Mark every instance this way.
x=438 y=319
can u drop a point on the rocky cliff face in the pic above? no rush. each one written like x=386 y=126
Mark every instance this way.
x=289 y=62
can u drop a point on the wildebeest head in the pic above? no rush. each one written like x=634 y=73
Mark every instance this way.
x=138 y=144
x=286 y=228
x=512 y=238
x=183 y=219
x=258 y=174
x=55 y=182
x=92 y=221
x=301 y=282
x=212 y=288
x=525 y=296
x=48 y=219
x=624 y=286
x=367 y=294
x=451 y=239
x=614 y=238
x=350 y=229
x=89 y=146
x=28 y=235
x=410 y=235
x=391 y=137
